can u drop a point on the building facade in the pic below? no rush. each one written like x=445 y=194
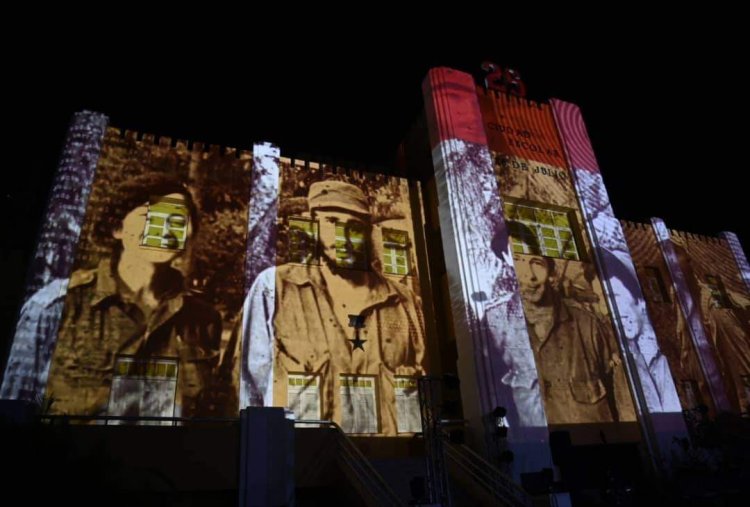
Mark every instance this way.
x=180 y=280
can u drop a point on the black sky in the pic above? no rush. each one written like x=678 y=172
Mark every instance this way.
x=664 y=112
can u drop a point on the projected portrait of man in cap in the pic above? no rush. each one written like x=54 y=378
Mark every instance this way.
x=328 y=328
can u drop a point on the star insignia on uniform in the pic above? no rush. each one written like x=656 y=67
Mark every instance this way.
x=357 y=343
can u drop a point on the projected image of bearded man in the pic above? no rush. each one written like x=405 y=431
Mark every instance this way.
x=309 y=334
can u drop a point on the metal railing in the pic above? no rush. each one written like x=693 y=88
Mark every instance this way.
x=430 y=404
x=104 y=420
x=369 y=484
x=372 y=488
x=496 y=484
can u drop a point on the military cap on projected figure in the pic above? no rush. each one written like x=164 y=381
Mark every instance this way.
x=329 y=314
x=132 y=340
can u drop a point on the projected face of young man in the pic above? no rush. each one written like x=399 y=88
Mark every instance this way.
x=131 y=235
x=535 y=276
x=631 y=310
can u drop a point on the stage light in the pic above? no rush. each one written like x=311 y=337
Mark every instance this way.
x=501 y=429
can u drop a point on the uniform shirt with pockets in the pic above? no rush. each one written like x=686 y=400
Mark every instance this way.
x=102 y=321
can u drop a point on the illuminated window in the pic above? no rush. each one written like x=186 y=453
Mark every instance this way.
x=541 y=231
x=303 y=240
x=166 y=224
x=143 y=388
x=127 y=366
x=654 y=285
x=303 y=396
x=408 y=417
x=351 y=248
x=358 y=406
x=718 y=294
x=395 y=252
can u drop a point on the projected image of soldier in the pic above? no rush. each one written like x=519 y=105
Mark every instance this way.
x=580 y=375
x=133 y=341
x=726 y=317
x=303 y=346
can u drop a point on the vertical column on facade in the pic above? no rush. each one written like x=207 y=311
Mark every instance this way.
x=739 y=256
x=262 y=211
x=656 y=397
x=28 y=363
x=691 y=311
x=471 y=218
x=261 y=245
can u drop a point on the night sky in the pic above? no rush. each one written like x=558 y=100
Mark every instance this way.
x=664 y=116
